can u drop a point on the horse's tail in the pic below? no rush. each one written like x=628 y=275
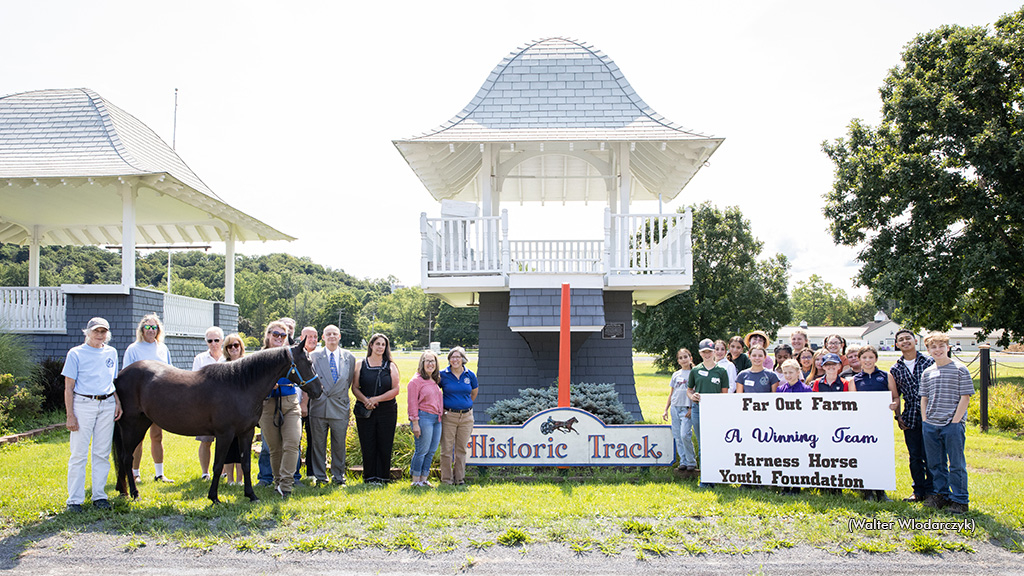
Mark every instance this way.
x=118 y=450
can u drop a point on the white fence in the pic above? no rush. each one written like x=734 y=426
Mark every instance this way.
x=480 y=246
x=33 y=309
x=557 y=256
x=649 y=243
x=473 y=246
x=186 y=316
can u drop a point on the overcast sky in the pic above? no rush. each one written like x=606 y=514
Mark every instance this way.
x=287 y=110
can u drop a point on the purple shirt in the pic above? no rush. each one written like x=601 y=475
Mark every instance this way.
x=798 y=387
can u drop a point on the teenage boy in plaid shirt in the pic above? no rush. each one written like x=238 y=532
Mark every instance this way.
x=906 y=374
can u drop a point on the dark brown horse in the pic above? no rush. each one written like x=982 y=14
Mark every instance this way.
x=223 y=400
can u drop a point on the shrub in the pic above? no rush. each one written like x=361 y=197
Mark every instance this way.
x=50 y=383
x=15 y=358
x=1005 y=407
x=600 y=400
x=18 y=402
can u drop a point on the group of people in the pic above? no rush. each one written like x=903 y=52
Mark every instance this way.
x=935 y=391
x=440 y=409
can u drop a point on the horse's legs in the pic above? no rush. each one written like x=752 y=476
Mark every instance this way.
x=220 y=454
x=133 y=430
x=245 y=453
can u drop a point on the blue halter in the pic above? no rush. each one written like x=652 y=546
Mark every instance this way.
x=296 y=370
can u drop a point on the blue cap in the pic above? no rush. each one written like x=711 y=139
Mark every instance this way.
x=831 y=358
x=706 y=344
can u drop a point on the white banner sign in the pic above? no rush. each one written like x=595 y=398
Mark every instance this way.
x=817 y=440
x=570 y=437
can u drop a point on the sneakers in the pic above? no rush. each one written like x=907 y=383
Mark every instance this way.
x=101 y=504
x=207 y=477
x=163 y=479
x=936 y=501
x=74 y=508
x=284 y=495
x=915 y=497
x=138 y=479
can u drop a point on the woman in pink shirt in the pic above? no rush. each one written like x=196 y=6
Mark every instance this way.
x=425 y=402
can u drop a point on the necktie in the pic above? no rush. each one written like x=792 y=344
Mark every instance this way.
x=334 y=367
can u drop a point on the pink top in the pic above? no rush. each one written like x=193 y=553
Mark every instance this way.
x=424 y=396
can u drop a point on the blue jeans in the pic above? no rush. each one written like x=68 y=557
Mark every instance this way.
x=942 y=443
x=919 y=472
x=682 y=433
x=266 y=473
x=426 y=444
x=695 y=422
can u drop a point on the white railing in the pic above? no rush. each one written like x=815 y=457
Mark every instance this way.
x=186 y=316
x=33 y=309
x=469 y=246
x=648 y=243
x=633 y=244
x=557 y=256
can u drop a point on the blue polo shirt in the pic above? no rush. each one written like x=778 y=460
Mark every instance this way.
x=877 y=381
x=458 y=391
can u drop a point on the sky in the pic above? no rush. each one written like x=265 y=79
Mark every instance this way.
x=287 y=110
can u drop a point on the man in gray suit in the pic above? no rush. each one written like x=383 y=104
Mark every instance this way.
x=335 y=367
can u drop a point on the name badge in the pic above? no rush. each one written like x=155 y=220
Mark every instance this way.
x=703 y=372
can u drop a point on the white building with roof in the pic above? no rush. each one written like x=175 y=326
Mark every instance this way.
x=555 y=121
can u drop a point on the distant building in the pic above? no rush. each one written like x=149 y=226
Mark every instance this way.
x=881 y=333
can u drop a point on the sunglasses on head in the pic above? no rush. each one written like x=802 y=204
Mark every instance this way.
x=150 y=327
x=277 y=334
x=234 y=345
x=212 y=340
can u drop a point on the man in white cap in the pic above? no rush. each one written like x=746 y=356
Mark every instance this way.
x=92 y=407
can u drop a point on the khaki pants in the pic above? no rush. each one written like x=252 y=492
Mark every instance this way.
x=284 y=441
x=455 y=431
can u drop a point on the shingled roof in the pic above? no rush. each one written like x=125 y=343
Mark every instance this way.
x=562 y=92
x=65 y=156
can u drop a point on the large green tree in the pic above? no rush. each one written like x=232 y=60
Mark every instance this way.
x=819 y=303
x=733 y=291
x=934 y=194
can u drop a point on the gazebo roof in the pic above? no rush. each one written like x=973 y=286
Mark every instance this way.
x=67 y=155
x=572 y=97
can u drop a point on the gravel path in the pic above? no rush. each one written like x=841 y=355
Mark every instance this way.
x=94 y=553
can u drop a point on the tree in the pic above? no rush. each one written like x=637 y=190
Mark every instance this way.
x=819 y=303
x=935 y=194
x=341 y=308
x=457 y=326
x=405 y=310
x=733 y=292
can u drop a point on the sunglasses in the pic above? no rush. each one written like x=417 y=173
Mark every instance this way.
x=211 y=341
x=277 y=334
x=234 y=345
x=150 y=327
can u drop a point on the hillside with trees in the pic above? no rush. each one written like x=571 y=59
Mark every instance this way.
x=266 y=287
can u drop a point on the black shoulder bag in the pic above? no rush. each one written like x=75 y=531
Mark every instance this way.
x=360 y=409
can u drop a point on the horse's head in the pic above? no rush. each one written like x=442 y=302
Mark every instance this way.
x=302 y=373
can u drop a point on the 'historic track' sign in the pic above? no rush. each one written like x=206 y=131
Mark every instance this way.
x=570 y=437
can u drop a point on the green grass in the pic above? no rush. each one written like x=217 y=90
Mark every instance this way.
x=649 y=514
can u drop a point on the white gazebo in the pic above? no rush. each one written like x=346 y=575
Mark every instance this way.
x=77 y=170
x=555 y=122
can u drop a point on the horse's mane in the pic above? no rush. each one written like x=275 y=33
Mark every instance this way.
x=249 y=368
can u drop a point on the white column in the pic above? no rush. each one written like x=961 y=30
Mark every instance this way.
x=625 y=178
x=486 y=199
x=33 y=259
x=128 y=194
x=229 y=266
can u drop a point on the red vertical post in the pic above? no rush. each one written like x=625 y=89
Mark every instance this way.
x=564 y=350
